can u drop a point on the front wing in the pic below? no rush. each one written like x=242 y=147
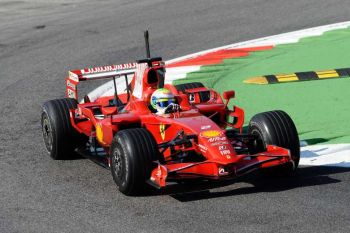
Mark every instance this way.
x=209 y=169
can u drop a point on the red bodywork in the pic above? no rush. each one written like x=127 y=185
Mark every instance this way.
x=204 y=122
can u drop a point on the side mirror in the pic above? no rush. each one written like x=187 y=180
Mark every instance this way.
x=109 y=110
x=183 y=101
x=229 y=95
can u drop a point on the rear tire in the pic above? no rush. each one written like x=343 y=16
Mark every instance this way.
x=277 y=128
x=133 y=152
x=60 y=137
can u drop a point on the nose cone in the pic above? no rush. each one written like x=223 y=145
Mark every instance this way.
x=215 y=145
x=212 y=141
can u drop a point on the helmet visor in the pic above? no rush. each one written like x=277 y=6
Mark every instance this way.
x=163 y=103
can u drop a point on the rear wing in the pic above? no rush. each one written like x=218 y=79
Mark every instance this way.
x=148 y=73
x=142 y=71
x=103 y=72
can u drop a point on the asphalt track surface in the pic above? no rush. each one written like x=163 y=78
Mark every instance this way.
x=41 y=40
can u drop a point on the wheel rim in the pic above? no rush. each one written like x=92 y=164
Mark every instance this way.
x=260 y=140
x=47 y=133
x=118 y=166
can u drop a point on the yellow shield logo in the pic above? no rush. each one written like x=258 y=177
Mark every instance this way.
x=162 y=131
x=99 y=133
x=210 y=133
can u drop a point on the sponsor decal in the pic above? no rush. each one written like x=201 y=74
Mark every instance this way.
x=203 y=148
x=222 y=147
x=71 y=94
x=220 y=143
x=108 y=68
x=225 y=152
x=205 y=127
x=71 y=85
x=228 y=157
x=162 y=131
x=210 y=133
x=73 y=76
x=216 y=139
x=222 y=171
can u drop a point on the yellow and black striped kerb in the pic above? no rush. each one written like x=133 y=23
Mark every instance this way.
x=300 y=76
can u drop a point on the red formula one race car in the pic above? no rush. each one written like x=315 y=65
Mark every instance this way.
x=193 y=137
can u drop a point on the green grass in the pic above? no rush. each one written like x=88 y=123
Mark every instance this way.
x=320 y=109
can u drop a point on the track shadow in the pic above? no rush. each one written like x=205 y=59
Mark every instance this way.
x=313 y=141
x=305 y=177
x=74 y=156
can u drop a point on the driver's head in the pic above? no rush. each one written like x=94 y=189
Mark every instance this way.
x=161 y=99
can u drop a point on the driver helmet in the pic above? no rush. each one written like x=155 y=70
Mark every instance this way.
x=161 y=99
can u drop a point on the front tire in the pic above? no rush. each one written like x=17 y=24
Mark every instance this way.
x=277 y=128
x=133 y=152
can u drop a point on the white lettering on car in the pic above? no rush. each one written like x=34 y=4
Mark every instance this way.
x=73 y=76
x=203 y=147
x=222 y=171
x=205 y=127
x=71 y=93
x=71 y=85
x=108 y=68
x=220 y=143
x=215 y=139
x=225 y=152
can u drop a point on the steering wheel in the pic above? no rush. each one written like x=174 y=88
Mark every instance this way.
x=172 y=108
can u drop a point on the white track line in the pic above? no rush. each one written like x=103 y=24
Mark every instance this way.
x=330 y=155
x=179 y=72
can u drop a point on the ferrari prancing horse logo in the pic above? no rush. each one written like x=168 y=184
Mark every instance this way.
x=162 y=131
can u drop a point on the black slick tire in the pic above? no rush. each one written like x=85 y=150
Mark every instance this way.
x=133 y=152
x=277 y=128
x=60 y=137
